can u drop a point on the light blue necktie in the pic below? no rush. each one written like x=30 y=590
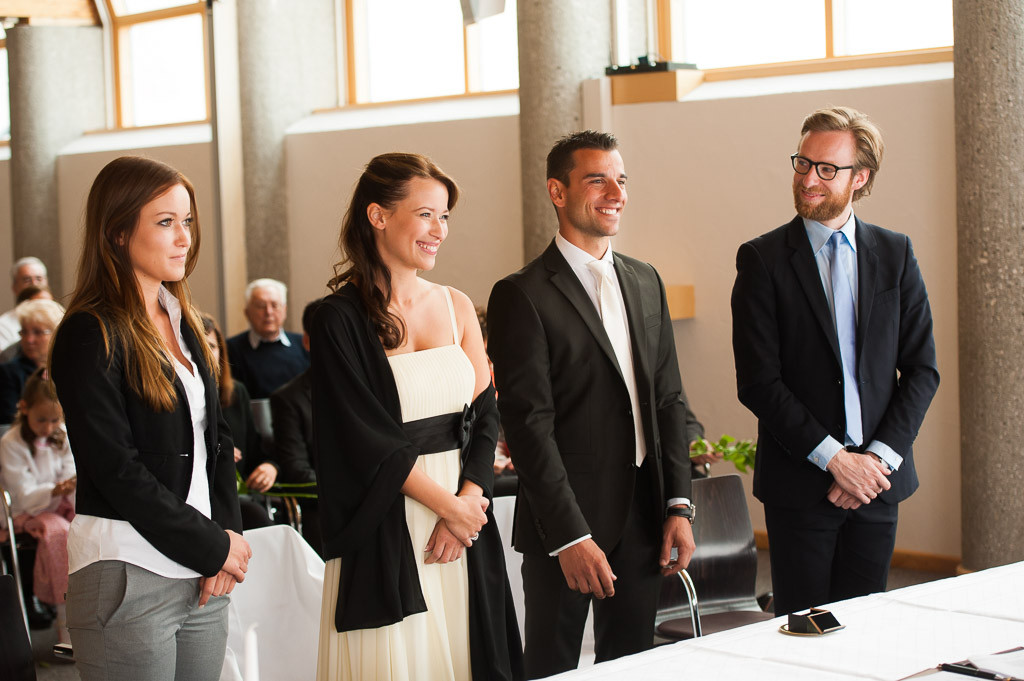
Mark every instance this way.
x=846 y=329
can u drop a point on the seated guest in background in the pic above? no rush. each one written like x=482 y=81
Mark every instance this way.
x=266 y=356
x=291 y=409
x=38 y=319
x=28 y=271
x=28 y=293
x=37 y=468
x=237 y=408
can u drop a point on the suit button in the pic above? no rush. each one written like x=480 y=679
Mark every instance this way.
x=839 y=381
x=629 y=412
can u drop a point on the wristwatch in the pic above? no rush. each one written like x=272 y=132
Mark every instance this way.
x=688 y=512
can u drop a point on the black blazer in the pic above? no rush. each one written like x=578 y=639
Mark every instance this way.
x=135 y=464
x=788 y=367
x=565 y=407
x=291 y=410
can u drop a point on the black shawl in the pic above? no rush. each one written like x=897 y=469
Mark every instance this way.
x=364 y=459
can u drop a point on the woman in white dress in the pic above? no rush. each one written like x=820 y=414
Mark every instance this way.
x=405 y=422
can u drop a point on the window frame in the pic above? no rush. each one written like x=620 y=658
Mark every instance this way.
x=120 y=22
x=6 y=142
x=830 y=62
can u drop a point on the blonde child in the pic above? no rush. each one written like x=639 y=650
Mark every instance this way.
x=37 y=468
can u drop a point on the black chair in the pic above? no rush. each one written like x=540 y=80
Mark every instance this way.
x=723 y=568
x=11 y=545
x=15 y=646
x=286 y=495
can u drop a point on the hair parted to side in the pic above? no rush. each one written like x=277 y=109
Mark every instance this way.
x=385 y=181
x=225 y=381
x=107 y=287
x=43 y=312
x=866 y=136
x=560 y=158
x=38 y=388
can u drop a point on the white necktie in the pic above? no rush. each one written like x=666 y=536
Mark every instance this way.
x=612 y=315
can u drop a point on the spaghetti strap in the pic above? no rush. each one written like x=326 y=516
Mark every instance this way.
x=451 y=312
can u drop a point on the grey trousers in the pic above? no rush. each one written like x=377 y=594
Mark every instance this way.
x=129 y=624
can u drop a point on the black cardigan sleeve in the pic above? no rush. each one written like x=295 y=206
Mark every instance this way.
x=91 y=390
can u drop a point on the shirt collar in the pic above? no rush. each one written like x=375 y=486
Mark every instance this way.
x=255 y=339
x=819 y=234
x=172 y=305
x=576 y=256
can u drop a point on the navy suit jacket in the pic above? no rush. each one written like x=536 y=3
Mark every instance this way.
x=788 y=367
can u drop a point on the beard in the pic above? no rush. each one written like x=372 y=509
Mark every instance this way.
x=830 y=207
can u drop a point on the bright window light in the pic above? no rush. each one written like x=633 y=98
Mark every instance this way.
x=493 y=47
x=870 y=26
x=5 y=100
x=738 y=32
x=414 y=49
x=167 y=75
x=137 y=6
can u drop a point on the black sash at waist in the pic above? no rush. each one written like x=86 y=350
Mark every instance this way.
x=441 y=433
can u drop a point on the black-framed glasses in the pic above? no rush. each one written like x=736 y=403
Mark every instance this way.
x=826 y=171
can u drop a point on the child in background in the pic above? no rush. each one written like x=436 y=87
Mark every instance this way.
x=37 y=468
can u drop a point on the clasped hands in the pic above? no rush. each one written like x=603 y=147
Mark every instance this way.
x=858 y=479
x=458 y=528
x=233 y=571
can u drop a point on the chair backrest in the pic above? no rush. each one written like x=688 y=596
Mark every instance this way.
x=724 y=565
x=261 y=417
x=15 y=648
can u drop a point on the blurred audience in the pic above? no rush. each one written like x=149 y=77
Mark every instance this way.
x=28 y=271
x=266 y=356
x=37 y=319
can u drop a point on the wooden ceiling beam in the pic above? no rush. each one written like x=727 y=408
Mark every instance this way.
x=48 y=11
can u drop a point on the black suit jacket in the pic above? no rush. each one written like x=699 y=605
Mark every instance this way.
x=291 y=410
x=565 y=407
x=788 y=367
x=134 y=463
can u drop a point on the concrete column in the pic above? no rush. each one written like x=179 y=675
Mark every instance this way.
x=561 y=44
x=989 y=95
x=287 y=69
x=57 y=93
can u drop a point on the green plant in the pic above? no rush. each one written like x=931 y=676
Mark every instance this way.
x=740 y=452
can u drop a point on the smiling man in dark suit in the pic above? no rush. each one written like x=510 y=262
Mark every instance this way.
x=595 y=418
x=832 y=335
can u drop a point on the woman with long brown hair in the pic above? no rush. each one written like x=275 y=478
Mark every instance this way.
x=405 y=422
x=154 y=546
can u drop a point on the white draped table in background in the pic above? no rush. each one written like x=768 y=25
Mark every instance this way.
x=888 y=636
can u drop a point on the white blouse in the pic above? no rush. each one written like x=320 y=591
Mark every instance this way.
x=92 y=539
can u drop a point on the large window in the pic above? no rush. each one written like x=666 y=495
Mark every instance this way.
x=160 y=52
x=413 y=49
x=732 y=33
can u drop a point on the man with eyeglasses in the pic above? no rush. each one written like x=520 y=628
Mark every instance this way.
x=832 y=335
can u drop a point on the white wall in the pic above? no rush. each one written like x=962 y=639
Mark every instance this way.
x=712 y=174
x=6 y=235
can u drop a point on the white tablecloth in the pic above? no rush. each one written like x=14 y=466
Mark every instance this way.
x=887 y=636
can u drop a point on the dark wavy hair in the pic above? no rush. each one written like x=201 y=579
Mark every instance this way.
x=385 y=181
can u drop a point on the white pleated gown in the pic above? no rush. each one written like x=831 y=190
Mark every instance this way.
x=434 y=644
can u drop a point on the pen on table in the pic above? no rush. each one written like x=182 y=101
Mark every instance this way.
x=967 y=671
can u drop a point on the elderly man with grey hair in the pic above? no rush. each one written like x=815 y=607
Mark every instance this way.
x=28 y=271
x=266 y=356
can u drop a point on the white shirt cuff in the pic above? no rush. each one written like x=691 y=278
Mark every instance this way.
x=886 y=454
x=572 y=543
x=824 y=452
x=678 y=501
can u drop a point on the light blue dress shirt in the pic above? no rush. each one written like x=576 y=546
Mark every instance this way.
x=818 y=234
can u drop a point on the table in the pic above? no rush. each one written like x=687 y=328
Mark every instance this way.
x=888 y=636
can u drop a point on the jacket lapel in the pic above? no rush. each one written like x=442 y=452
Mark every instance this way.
x=630 y=285
x=867 y=266
x=565 y=280
x=807 y=274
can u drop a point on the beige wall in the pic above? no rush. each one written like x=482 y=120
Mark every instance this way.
x=485 y=238
x=75 y=173
x=6 y=236
x=713 y=174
